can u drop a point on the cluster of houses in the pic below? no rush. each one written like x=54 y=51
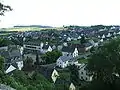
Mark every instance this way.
x=70 y=51
x=13 y=58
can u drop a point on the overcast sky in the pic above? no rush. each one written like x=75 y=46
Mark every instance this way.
x=62 y=12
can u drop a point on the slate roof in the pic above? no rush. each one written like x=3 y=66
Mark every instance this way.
x=8 y=65
x=68 y=49
x=45 y=47
x=15 y=53
x=37 y=43
x=11 y=55
x=71 y=48
x=47 y=70
x=88 y=44
x=5 y=54
x=66 y=58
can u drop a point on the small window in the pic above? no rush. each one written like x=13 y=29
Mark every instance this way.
x=86 y=78
x=81 y=77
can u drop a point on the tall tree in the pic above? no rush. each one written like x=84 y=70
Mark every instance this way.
x=51 y=57
x=1 y=63
x=37 y=59
x=83 y=39
x=74 y=75
x=105 y=63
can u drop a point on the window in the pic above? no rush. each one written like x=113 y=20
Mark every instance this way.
x=81 y=77
x=31 y=47
x=86 y=78
x=81 y=72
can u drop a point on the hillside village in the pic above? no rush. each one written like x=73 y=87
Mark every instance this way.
x=52 y=52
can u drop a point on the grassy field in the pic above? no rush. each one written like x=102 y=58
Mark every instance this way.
x=28 y=29
x=83 y=61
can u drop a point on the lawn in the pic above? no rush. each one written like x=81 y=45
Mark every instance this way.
x=83 y=61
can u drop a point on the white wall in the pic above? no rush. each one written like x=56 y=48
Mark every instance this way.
x=61 y=64
x=83 y=75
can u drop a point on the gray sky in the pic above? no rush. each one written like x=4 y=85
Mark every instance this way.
x=62 y=12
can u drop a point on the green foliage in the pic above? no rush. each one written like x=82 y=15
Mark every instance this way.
x=74 y=75
x=5 y=42
x=1 y=63
x=21 y=77
x=37 y=60
x=34 y=82
x=83 y=40
x=82 y=61
x=104 y=62
x=51 y=57
x=28 y=64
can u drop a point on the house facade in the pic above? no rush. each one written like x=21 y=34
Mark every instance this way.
x=65 y=61
x=83 y=73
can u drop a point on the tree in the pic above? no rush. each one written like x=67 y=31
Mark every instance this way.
x=37 y=59
x=4 y=8
x=83 y=40
x=28 y=64
x=20 y=76
x=74 y=75
x=5 y=42
x=41 y=82
x=2 y=63
x=105 y=63
x=51 y=57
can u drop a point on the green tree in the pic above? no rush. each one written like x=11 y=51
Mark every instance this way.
x=37 y=59
x=28 y=64
x=105 y=62
x=2 y=63
x=5 y=42
x=83 y=40
x=51 y=57
x=74 y=75
x=20 y=76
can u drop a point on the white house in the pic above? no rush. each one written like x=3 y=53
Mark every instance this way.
x=118 y=33
x=114 y=33
x=68 y=39
x=103 y=36
x=10 y=69
x=66 y=60
x=108 y=35
x=20 y=65
x=46 y=48
x=21 y=50
x=75 y=53
x=54 y=75
x=65 y=44
x=95 y=44
x=41 y=45
x=49 y=49
x=98 y=36
x=79 y=37
x=31 y=47
x=4 y=48
x=101 y=40
x=83 y=73
x=17 y=65
x=72 y=87
x=88 y=48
